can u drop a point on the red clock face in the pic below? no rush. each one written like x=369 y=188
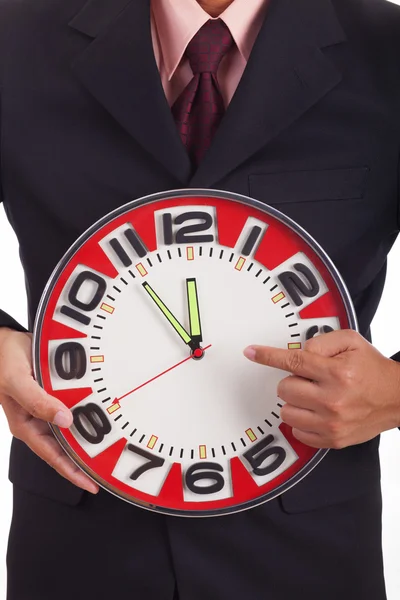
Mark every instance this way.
x=141 y=332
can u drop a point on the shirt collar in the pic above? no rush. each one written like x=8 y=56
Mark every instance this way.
x=177 y=21
x=244 y=19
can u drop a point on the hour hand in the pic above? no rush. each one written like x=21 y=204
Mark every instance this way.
x=194 y=312
x=180 y=330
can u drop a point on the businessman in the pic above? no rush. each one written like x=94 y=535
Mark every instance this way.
x=293 y=102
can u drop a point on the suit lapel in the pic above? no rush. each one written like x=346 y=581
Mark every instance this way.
x=119 y=69
x=286 y=75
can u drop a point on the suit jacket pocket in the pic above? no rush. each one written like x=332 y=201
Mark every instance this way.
x=309 y=186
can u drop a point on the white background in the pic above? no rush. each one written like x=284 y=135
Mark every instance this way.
x=386 y=332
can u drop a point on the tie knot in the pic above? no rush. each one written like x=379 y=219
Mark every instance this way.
x=209 y=46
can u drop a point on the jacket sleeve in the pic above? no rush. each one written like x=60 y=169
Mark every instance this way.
x=5 y=319
x=396 y=356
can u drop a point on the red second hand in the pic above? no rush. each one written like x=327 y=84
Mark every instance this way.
x=117 y=400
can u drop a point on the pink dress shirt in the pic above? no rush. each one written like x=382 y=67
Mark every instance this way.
x=175 y=22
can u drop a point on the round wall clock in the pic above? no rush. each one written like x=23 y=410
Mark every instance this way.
x=141 y=331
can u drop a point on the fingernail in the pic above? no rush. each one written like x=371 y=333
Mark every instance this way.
x=92 y=489
x=63 y=419
x=250 y=353
x=85 y=483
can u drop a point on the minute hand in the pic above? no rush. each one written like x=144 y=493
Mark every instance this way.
x=180 y=330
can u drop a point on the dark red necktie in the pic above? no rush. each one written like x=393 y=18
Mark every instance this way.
x=199 y=109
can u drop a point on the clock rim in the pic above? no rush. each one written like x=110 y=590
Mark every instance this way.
x=118 y=212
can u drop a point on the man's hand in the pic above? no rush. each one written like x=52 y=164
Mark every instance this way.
x=28 y=408
x=342 y=391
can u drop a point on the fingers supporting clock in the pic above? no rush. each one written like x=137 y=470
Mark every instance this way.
x=300 y=393
x=304 y=420
x=36 y=434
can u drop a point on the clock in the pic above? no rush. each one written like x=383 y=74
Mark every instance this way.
x=141 y=331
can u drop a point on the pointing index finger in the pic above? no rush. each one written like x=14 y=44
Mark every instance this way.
x=299 y=362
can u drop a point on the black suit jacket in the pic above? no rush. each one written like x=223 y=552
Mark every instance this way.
x=312 y=130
